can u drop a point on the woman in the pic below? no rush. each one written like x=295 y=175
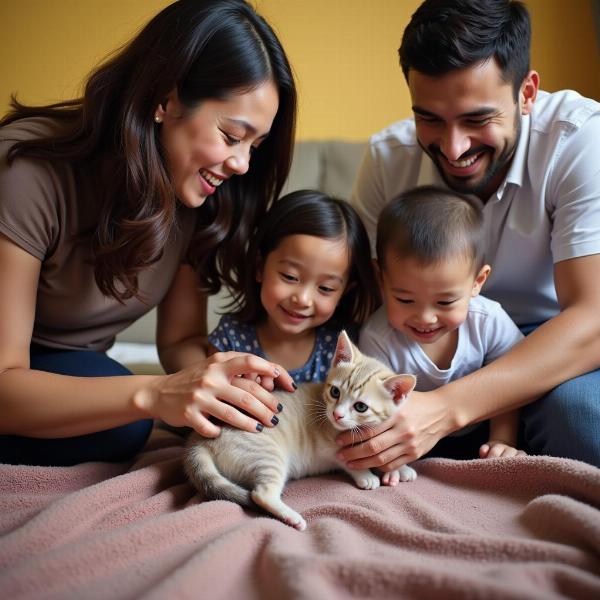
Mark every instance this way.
x=141 y=193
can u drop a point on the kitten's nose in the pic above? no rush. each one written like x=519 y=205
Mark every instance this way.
x=338 y=416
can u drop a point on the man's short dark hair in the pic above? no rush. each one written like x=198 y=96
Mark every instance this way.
x=431 y=224
x=444 y=35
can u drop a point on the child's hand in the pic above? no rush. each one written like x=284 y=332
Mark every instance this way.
x=497 y=449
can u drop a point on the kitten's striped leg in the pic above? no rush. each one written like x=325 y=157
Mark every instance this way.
x=268 y=495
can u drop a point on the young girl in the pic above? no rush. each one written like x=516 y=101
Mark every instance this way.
x=309 y=275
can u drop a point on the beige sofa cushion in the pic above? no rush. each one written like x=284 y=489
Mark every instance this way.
x=328 y=166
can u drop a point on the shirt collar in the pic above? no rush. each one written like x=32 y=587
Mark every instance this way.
x=516 y=172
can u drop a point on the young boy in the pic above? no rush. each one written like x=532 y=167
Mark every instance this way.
x=433 y=323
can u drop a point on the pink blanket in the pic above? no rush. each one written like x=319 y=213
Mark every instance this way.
x=520 y=528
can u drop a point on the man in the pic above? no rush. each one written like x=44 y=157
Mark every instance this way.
x=481 y=127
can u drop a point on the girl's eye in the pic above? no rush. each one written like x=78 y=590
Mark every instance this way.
x=360 y=407
x=403 y=301
x=334 y=392
x=327 y=290
x=288 y=277
x=446 y=302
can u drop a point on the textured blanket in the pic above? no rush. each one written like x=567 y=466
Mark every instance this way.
x=520 y=528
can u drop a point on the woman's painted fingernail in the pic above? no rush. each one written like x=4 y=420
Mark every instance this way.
x=294 y=385
x=259 y=427
x=276 y=372
x=275 y=420
x=279 y=407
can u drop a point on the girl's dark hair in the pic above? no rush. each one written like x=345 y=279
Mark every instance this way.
x=309 y=212
x=206 y=49
x=444 y=35
x=430 y=224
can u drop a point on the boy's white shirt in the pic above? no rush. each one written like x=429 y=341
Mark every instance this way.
x=487 y=333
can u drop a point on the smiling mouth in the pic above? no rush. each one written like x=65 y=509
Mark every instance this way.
x=425 y=332
x=465 y=162
x=294 y=315
x=212 y=179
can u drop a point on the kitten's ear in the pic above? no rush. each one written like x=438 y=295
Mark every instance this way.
x=344 y=351
x=400 y=386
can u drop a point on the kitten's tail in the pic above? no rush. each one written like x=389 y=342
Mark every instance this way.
x=203 y=473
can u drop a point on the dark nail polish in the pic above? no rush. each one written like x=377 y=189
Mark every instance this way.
x=259 y=427
x=274 y=420
x=294 y=385
x=279 y=407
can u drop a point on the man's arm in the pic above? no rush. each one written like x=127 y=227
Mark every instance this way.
x=562 y=348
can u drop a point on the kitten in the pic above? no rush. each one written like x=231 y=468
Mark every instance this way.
x=250 y=468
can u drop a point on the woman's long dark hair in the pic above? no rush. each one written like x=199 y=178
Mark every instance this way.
x=309 y=212
x=206 y=49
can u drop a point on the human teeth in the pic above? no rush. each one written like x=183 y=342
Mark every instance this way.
x=214 y=181
x=467 y=162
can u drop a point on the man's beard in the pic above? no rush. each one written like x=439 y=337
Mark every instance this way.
x=497 y=165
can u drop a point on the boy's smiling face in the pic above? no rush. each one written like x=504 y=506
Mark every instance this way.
x=427 y=301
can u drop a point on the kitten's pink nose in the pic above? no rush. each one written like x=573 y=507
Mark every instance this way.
x=337 y=415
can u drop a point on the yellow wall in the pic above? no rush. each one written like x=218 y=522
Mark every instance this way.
x=344 y=52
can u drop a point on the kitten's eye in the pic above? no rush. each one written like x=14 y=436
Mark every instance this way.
x=334 y=392
x=360 y=407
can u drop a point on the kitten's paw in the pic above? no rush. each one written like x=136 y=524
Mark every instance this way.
x=367 y=481
x=407 y=473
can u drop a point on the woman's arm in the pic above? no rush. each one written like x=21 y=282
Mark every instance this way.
x=562 y=348
x=39 y=404
x=182 y=331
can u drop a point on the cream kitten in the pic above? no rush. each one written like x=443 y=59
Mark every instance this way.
x=250 y=468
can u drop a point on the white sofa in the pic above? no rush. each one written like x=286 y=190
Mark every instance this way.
x=328 y=166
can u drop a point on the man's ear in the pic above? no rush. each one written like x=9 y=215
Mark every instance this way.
x=528 y=92
x=480 y=278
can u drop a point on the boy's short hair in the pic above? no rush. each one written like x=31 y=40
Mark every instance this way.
x=430 y=224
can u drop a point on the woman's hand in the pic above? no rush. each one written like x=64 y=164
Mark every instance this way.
x=409 y=434
x=216 y=387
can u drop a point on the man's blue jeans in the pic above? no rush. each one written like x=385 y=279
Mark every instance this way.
x=565 y=422
x=118 y=444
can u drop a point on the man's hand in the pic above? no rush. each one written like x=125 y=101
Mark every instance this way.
x=409 y=434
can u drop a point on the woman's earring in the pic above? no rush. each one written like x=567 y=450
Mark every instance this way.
x=157 y=119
